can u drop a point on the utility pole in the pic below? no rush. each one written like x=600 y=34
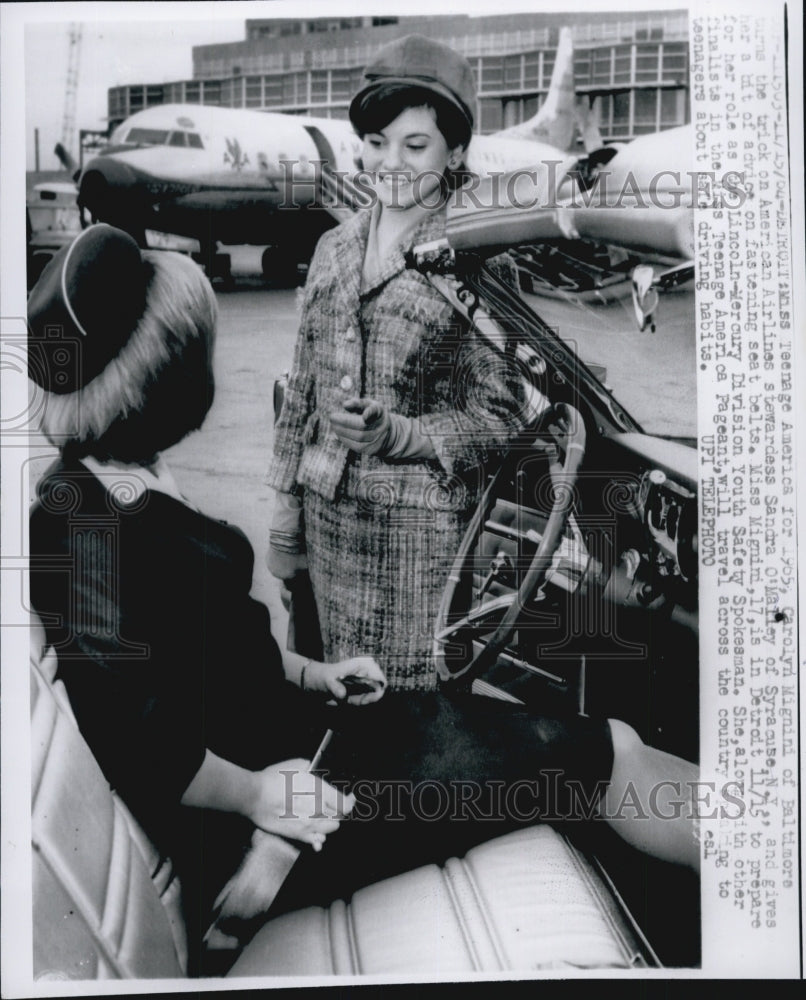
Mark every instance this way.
x=71 y=87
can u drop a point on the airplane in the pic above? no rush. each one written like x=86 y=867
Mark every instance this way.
x=219 y=175
x=232 y=176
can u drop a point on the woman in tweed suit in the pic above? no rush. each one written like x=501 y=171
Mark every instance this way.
x=393 y=406
x=391 y=411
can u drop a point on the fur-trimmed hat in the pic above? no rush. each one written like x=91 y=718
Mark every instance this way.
x=84 y=307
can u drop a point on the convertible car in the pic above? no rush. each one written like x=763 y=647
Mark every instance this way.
x=576 y=585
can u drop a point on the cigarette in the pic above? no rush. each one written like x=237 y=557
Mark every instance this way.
x=322 y=747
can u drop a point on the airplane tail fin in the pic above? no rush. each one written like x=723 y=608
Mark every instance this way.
x=555 y=120
x=67 y=161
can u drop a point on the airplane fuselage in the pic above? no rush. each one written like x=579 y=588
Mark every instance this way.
x=229 y=174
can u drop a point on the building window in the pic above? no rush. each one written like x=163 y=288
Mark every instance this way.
x=620 y=123
x=295 y=88
x=192 y=91
x=582 y=66
x=601 y=112
x=341 y=85
x=602 y=67
x=529 y=108
x=254 y=92
x=675 y=61
x=672 y=108
x=645 y=111
x=272 y=91
x=491 y=116
x=647 y=63
x=211 y=91
x=319 y=87
x=492 y=73
x=622 y=64
x=513 y=76
x=531 y=71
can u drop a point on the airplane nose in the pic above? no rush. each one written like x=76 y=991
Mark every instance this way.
x=108 y=190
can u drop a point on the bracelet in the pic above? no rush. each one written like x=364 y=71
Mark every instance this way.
x=305 y=666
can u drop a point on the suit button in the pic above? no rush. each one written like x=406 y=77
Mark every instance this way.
x=350 y=335
x=346 y=383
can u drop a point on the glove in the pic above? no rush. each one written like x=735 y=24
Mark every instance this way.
x=285 y=557
x=363 y=425
x=366 y=426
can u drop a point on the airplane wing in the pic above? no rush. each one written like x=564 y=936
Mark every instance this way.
x=568 y=240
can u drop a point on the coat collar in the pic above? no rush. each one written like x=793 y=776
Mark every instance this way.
x=349 y=258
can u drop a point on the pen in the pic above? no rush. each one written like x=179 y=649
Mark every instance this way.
x=322 y=747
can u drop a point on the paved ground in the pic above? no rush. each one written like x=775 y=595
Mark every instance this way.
x=652 y=374
x=222 y=466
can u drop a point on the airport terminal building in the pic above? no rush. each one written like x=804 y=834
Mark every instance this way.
x=633 y=67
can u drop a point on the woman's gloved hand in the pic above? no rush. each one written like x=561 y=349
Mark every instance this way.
x=329 y=678
x=367 y=426
x=362 y=425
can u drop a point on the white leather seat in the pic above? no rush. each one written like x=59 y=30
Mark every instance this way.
x=105 y=905
x=523 y=902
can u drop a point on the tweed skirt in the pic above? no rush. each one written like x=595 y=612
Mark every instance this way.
x=378 y=572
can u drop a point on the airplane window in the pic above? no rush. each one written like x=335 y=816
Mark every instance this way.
x=148 y=136
x=194 y=141
x=176 y=139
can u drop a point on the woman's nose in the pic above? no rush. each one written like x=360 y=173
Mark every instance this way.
x=393 y=159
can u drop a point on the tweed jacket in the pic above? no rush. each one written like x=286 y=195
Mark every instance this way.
x=401 y=343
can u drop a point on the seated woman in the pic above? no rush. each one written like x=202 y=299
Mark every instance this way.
x=175 y=680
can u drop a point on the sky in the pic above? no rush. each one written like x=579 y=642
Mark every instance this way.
x=111 y=53
x=152 y=42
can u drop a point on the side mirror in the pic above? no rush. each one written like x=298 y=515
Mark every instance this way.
x=644 y=296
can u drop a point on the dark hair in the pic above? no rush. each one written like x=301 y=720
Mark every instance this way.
x=385 y=103
x=160 y=385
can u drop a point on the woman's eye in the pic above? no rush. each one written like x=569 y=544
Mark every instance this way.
x=375 y=143
x=415 y=149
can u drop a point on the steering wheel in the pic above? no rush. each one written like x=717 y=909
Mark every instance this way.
x=561 y=432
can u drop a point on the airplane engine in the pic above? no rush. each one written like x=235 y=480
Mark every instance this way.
x=109 y=191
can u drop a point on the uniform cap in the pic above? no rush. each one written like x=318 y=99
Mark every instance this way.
x=422 y=62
